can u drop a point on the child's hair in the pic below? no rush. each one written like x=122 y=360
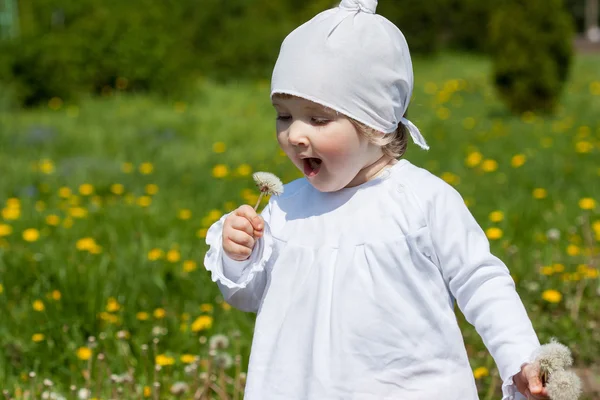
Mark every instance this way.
x=392 y=144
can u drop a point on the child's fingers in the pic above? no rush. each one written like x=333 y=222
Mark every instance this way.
x=241 y=238
x=250 y=214
x=242 y=224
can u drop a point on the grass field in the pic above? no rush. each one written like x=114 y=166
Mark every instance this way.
x=105 y=205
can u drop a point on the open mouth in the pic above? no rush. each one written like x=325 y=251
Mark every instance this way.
x=312 y=166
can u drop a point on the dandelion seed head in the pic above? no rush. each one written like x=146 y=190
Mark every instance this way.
x=268 y=183
x=83 y=394
x=564 y=385
x=223 y=361
x=48 y=383
x=553 y=357
x=220 y=342
x=179 y=388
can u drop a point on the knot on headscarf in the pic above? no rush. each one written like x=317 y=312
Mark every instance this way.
x=368 y=6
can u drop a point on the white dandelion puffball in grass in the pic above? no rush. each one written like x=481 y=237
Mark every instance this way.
x=564 y=385
x=268 y=183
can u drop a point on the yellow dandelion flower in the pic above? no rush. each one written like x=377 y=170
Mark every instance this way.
x=159 y=313
x=443 y=113
x=573 y=250
x=587 y=203
x=206 y=307
x=151 y=189
x=583 y=146
x=164 y=360
x=108 y=317
x=84 y=353
x=496 y=216
x=112 y=305
x=226 y=306
x=142 y=316
x=558 y=268
x=155 y=254
x=189 y=265
x=592 y=273
x=11 y=213
x=540 y=193
x=518 y=160
x=219 y=147
x=53 y=220
x=38 y=306
x=596 y=225
x=547 y=270
x=187 y=358
x=173 y=256
x=144 y=201
x=147 y=391
x=38 y=337
x=201 y=233
x=31 y=235
x=1 y=288
x=117 y=188
x=489 y=165
x=146 y=168
x=201 y=323
x=473 y=159
x=46 y=166
x=451 y=178
x=64 y=192
x=5 y=230
x=220 y=171
x=13 y=202
x=127 y=167
x=244 y=170
x=67 y=223
x=494 y=233
x=552 y=296
x=184 y=214
x=78 y=212
x=56 y=295
x=85 y=244
x=480 y=372
x=86 y=189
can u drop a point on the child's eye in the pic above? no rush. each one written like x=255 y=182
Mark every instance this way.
x=320 y=121
x=283 y=118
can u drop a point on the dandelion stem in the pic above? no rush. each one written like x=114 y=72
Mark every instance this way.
x=259 y=199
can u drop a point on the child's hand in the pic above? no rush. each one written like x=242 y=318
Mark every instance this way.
x=529 y=384
x=240 y=231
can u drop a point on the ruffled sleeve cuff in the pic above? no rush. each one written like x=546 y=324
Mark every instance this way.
x=509 y=389
x=231 y=273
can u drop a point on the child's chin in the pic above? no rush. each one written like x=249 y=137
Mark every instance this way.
x=324 y=187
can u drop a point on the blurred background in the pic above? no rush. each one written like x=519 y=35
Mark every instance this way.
x=128 y=128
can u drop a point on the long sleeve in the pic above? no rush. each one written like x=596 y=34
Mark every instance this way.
x=242 y=283
x=482 y=285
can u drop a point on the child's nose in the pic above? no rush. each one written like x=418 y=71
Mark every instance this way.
x=297 y=134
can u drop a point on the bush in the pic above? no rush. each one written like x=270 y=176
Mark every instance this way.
x=531 y=44
x=468 y=22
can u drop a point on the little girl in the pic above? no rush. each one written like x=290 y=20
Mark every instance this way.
x=354 y=270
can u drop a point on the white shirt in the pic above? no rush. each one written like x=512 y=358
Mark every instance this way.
x=355 y=289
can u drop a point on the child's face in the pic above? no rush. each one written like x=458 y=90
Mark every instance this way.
x=325 y=146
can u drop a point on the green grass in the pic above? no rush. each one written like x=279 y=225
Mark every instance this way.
x=95 y=142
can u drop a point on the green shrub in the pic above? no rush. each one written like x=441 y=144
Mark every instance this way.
x=467 y=24
x=531 y=44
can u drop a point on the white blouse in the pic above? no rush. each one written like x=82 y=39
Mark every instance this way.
x=355 y=290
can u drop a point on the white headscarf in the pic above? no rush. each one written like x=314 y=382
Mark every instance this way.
x=351 y=60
